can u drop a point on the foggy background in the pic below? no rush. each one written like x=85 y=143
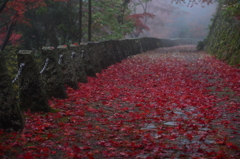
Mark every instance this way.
x=176 y=20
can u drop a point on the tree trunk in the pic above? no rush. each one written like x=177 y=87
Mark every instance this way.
x=89 y=19
x=80 y=22
x=53 y=39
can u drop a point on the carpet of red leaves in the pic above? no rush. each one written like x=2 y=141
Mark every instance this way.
x=166 y=103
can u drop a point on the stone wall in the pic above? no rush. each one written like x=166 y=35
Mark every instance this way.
x=65 y=65
x=223 y=40
x=68 y=65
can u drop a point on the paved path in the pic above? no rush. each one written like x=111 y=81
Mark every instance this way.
x=166 y=103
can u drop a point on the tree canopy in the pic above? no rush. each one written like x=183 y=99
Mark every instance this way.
x=35 y=23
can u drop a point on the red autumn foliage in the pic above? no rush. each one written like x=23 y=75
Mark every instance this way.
x=12 y=13
x=14 y=39
x=137 y=19
x=139 y=25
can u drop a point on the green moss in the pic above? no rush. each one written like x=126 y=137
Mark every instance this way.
x=200 y=45
x=54 y=110
x=63 y=119
x=223 y=40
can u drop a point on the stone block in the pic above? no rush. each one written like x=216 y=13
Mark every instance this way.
x=32 y=94
x=67 y=67
x=52 y=75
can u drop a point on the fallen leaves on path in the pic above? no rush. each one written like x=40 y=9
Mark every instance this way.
x=167 y=103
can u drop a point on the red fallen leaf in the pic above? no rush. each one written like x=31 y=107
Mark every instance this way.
x=136 y=146
x=123 y=154
x=221 y=154
x=69 y=132
x=45 y=150
x=54 y=152
x=202 y=138
x=125 y=109
x=70 y=154
x=225 y=123
x=104 y=143
x=50 y=136
x=90 y=156
x=17 y=144
x=182 y=155
x=85 y=148
x=38 y=138
x=76 y=149
x=210 y=153
x=106 y=102
x=183 y=97
x=26 y=155
x=232 y=146
x=111 y=149
x=27 y=135
x=160 y=132
x=138 y=105
x=189 y=136
x=32 y=147
x=200 y=151
x=222 y=142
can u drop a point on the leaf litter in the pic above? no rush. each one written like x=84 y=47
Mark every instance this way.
x=166 y=103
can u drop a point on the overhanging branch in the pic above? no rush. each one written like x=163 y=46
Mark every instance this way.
x=9 y=31
x=3 y=4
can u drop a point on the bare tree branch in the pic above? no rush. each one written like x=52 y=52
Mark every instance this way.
x=5 y=23
x=3 y=4
x=9 y=31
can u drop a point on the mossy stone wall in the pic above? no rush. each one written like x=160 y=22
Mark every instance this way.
x=10 y=115
x=223 y=40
